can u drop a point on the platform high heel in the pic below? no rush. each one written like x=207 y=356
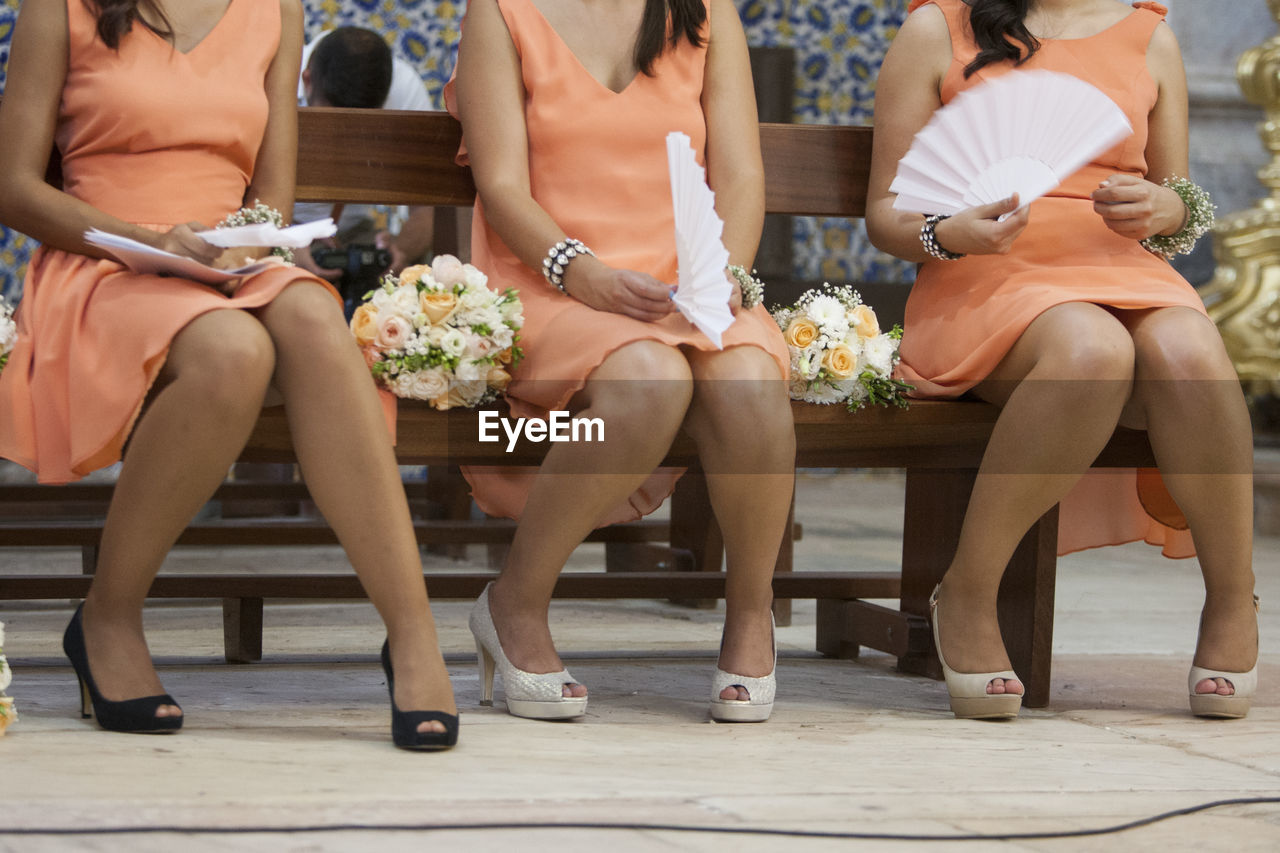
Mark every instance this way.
x=404 y=724
x=134 y=716
x=538 y=696
x=761 y=692
x=968 y=690
x=1231 y=707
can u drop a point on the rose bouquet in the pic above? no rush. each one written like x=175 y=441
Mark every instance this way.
x=8 y=714
x=438 y=333
x=8 y=333
x=838 y=353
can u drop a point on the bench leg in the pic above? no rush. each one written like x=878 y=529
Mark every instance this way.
x=88 y=559
x=242 y=629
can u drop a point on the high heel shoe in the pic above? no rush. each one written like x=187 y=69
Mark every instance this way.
x=134 y=716
x=759 y=705
x=1231 y=707
x=404 y=724
x=968 y=690
x=538 y=696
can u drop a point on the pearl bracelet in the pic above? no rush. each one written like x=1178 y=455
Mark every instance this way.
x=929 y=239
x=556 y=263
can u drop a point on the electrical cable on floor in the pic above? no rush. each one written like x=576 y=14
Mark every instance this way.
x=642 y=827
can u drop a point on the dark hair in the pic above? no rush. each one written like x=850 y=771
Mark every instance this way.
x=997 y=26
x=351 y=67
x=687 y=18
x=116 y=17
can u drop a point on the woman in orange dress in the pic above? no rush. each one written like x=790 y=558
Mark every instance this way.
x=1060 y=316
x=565 y=108
x=168 y=115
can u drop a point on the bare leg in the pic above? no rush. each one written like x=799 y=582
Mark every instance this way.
x=641 y=392
x=741 y=419
x=206 y=401
x=345 y=455
x=1062 y=387
x=1187 y=389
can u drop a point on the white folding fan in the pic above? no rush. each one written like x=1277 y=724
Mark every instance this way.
x=703 y=292
x=1023 y=132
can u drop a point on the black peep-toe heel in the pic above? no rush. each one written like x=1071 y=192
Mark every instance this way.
x=404 y=724
x=135 y=716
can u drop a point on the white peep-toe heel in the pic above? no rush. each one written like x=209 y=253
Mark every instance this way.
x=755 y=709
x=538 y=696
x=968 y=690
x=1231 y=707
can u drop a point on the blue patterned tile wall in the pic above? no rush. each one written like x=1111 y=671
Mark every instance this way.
x=839 y=44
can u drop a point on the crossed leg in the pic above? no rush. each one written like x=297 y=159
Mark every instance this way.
x=1061 y=389
x=641 y=392
x=741 y=421
x=345 y=455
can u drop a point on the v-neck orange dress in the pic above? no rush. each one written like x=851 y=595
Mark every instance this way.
x=963 y=316
x=156 y=137
x=598 y=166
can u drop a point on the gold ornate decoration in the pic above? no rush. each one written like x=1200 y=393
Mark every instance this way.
x=1244 y=296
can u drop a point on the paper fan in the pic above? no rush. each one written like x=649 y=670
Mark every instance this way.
x=704 y=290
x=1023 y=132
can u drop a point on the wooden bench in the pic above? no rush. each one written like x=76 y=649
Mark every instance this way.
x=407 y=158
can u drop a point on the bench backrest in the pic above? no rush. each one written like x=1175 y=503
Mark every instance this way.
x=393 y=157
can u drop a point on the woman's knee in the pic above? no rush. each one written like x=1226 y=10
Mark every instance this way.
x=306 y=316
x=228 y=354
x=645 y=381
x=1180 y=344
x=743 y=387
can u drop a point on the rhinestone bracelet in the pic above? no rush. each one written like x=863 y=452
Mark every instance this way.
x=556 y=263
x=1200 y=210
x=929 y=239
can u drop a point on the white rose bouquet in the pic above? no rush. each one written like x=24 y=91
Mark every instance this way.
x=838 y=353
x=8 y=714
x=438 y=333
x=8 y=333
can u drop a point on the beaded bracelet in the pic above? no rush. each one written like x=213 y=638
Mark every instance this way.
x=929 y=239
x=259 y=213
x=1200 y=210
x=556 y=263
x=752 y=288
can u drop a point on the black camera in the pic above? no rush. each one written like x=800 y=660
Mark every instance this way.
x=362 y=267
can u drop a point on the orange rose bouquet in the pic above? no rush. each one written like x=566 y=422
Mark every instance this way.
x=438 y=333
x=838 y=353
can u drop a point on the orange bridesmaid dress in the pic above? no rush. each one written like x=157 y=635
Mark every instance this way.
x=963 y=316
x=157 y=137
x=598 y=166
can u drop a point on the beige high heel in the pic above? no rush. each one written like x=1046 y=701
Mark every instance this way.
x=1231 y=707
x=761 y=692
x=968 y=690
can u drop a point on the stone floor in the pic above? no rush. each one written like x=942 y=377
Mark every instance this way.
x=300 y=740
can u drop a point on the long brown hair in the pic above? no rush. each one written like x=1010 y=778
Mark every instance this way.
x=116 y=17
x=1000 y=29
x=687 y=18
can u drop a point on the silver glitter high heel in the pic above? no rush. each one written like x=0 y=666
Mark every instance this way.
x=538 y=696
x=762 y=691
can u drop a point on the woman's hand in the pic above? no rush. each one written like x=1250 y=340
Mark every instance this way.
x=979 y=230
x=182 y=240
x=1136 y=208
x=239 y=256
x=735 y=296
x=634 y=294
